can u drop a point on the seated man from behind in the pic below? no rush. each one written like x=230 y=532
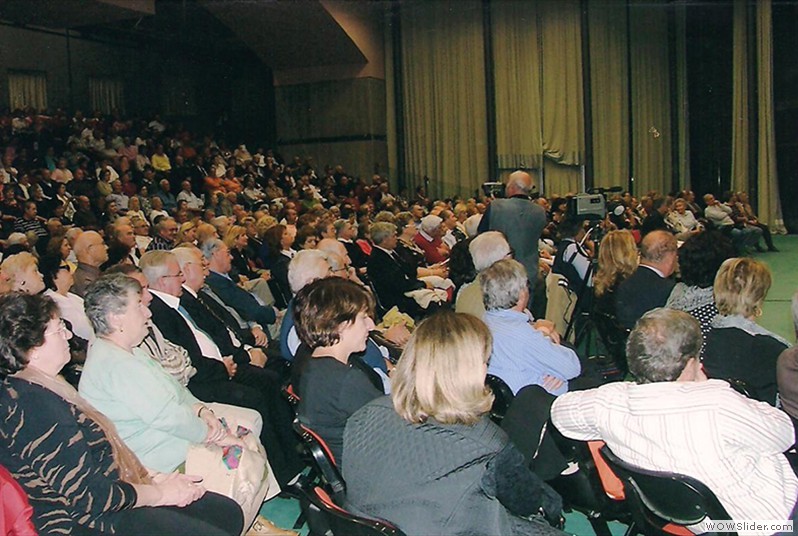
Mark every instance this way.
x=673 y=419
x=523 y=353
x=650 y=285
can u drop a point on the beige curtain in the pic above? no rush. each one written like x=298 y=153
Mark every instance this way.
x=650 y=73
x=681 y=102
x=767 y=176
x=563 y=109
x=27 y=89
x=740 y=103
x=517 y=80
x=537 y=55
x=609 y=92
x=106 y=95
x=443 y=92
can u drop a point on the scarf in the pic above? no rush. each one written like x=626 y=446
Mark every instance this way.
x=744 y=324
x=689 y=298
x=130 y=468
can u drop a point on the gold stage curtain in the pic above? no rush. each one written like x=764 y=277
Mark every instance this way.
x=740 y=103
x=443 y=93
x=516 y=60
x=537 y=55
x=767 y=176
x=563 y=108
x=652 y=134
x=609 y=95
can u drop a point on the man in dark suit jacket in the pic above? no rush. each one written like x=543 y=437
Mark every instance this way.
x=217 y=254
x=390 y=276
x=650 y=285
x=252 y=387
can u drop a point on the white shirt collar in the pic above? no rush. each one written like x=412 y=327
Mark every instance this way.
x=659 y=273
x=168 y=299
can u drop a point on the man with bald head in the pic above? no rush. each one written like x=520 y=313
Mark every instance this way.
x=650 y=285
x=91 y=252
x=520 y=219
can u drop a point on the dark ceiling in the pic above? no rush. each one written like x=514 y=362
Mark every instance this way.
x=282 y=33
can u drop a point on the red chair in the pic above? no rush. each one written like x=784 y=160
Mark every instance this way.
x=325 y=517
x=324 y=465
x=15 y=510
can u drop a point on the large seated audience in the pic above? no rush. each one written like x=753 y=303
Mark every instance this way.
x=160 y=289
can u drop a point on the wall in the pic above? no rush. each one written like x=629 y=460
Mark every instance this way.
x=336 y=114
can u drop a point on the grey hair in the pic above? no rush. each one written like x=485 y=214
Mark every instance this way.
x=380 y=231
x=184 y=254
x=210 y=246
x=307 y=266
x=109 y=295
x=335 y=261
x=502 y=284
x=661 y=344
x=472 y=224
x=153 y=264
x=16 y=238
x=161 y=225
x=488 y=248
x=430 y=223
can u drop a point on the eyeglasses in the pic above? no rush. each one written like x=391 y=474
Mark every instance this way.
x=178 y=274
x=62 y=329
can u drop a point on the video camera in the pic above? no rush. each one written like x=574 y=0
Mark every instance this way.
x=591 y=205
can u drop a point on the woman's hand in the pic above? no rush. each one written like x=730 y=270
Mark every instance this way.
x=215 y=429
x=180 y=490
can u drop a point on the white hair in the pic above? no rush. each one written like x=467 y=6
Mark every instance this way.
x=430 y=223
x=487 y=249
x=307 y=266
x=472 y=223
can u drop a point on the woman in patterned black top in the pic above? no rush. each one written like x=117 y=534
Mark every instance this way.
x=79 y=476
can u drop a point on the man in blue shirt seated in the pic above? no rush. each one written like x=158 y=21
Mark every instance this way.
x=524 y=352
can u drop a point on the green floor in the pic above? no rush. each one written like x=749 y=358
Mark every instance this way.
x=776 y=317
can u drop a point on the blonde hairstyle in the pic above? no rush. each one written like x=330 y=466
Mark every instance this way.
x=741 y=286
x=205 y=231
x=233 y=234
x=184 y=228
x=264 y=224
x=441 y=374
x=618 y=259
x=17 y=264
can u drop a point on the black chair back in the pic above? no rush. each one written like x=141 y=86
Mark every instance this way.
x=658 y=498
x=502 y=397
x=323 y=460
x=613 y=336
x=326 y=517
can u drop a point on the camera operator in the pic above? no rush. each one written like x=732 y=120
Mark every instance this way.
x=574 y=255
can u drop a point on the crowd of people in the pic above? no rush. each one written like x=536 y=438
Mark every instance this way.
x=159 y=289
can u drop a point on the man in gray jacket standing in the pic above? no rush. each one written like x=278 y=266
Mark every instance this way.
x=520 y=219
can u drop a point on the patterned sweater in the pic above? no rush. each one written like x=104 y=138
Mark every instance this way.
x=61 y=458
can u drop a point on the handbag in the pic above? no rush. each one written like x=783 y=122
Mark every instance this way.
x=239 y=471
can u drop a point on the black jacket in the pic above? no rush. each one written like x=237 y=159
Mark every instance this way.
x=641 y=292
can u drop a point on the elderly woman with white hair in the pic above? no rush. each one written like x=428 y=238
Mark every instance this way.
x=485 y=249
x=22 y=270
x=430 y=239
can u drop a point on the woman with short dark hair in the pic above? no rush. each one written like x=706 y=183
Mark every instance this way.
x=333 y=320
x=79 y=475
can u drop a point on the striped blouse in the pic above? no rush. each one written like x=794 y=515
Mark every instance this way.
x=61 y=458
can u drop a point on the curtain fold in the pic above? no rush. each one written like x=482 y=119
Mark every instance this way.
x=609 y=95
x=106 y=95
x=740 y=102
x=650 y=73
x=682 y=102
x=563 y=104
x=769 y=209
x=27 y=89
x=516 y=60
x=443 y=91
